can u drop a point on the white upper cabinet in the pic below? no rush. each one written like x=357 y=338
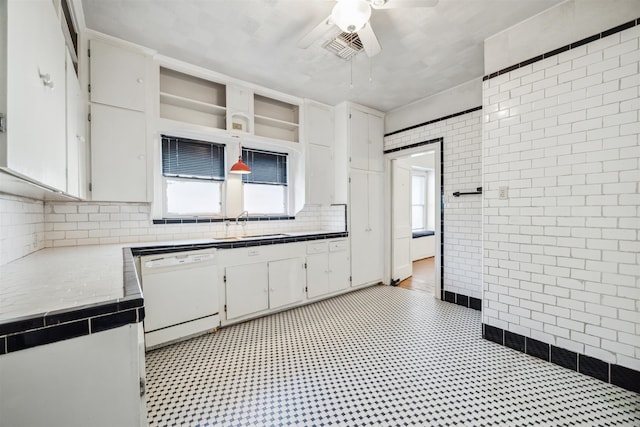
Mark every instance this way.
x=366 y=135
x=319 y=124
x=118 y=154
x=117 y=76
x=34 y=144
x=319 y=165
x=76 y=130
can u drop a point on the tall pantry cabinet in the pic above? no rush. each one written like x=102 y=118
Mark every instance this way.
x=118 y=122
x=361 y=130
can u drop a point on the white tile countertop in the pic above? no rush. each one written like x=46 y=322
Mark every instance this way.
x=60 y=278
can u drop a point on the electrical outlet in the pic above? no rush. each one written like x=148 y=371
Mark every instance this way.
x=503 y=193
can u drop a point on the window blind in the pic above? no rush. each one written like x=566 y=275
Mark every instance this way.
x=188 y=158
x=266 y=167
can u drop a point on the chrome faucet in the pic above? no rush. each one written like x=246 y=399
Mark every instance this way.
x=246 y=217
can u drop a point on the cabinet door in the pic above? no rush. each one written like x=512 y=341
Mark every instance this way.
x=367 y=236
x=319 y=125
x=247 y=289
x=319 y=175
x=286 y=282
x=75 y=137
x=359 y=136
x=117 y=76
x=118 y=154
x=317 y=275
x=376 y=143
x=339 y=266
x=36 y=145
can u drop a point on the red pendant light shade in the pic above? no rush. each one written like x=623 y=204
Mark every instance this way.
x=240 y=167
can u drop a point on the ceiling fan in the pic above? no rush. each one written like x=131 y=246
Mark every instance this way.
x=352 y=16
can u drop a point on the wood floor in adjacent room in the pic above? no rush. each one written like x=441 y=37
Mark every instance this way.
x=424 y=276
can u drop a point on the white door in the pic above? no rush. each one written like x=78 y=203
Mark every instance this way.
x=375 y=255
x=339 y=266
x=320 y=175
x=376 y=143
x=359 y=230
x=118 y=154
x=117 y=76
x=247 y=289
x=36 y=92
x=401 y=220
x=359 y=136
x=74 y=120
x=319 y=125
x=317 y=275
x=286 y=282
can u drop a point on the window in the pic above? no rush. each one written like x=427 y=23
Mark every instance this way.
x=265 y=189
x=192 y=175
x=418 y=201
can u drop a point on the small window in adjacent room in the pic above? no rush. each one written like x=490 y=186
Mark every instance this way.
x=265 y=189
x=192 y=175
x=418 y=201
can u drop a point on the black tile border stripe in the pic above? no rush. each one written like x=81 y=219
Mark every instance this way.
x=165 y=221
x=463 y=300
x=439 y=119
x=46 y=328
x=629 y=379
x=559 y=50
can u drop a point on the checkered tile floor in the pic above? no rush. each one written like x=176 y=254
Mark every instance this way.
x=380 y=356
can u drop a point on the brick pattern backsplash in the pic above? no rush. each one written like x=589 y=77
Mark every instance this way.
x=462 y=141
x=21 y=227
x=562 y=251
x=93 y=223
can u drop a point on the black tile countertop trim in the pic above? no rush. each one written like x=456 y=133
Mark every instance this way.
x=565 y=48
x=244 y=243
x=621 y=376
x=46 y=328
x=439 y=119
x=165 y=221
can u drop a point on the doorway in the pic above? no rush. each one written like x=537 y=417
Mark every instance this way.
x=415 y=194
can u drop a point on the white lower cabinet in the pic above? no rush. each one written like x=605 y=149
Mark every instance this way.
x=328 y=267
x=247 y=289
x=286 y=282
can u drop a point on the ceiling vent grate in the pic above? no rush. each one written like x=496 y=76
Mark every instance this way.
x=345 y=45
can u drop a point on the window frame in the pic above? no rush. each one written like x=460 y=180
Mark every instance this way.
x=420 y=174
x=286 y=187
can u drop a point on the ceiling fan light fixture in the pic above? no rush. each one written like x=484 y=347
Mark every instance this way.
x=351 y=15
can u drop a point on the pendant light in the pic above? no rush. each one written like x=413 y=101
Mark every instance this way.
x=240 y=167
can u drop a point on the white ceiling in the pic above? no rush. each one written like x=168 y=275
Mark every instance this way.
x=424 y=50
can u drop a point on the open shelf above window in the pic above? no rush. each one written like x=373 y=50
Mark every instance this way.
x=191 y=99
x=276 y=119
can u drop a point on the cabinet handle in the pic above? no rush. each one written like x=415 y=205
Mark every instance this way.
x=80 y=138
x=140 y=80
x=46 y=80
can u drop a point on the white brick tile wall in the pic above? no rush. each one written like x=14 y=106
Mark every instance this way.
x=22 y=227
x=91 y=223
x=574 y=199
x=462 y=172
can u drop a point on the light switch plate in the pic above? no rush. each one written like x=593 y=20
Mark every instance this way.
x=503 y=193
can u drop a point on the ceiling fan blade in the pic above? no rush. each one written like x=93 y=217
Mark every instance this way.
x=396 y=4
x=369 y=40
x=313 y=35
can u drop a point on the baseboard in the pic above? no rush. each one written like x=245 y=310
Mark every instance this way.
x=463 y=300
x=621 y=376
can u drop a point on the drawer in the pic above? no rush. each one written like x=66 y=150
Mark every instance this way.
x=316 y=247
x=338 y=245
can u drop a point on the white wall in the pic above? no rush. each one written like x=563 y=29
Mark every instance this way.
x=462 y=216
x=561 y=25
x=459 y=98
x=562 y=253
x=92 y=223
x=21 y=227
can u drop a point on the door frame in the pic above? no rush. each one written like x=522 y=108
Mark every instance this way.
x=396 y=153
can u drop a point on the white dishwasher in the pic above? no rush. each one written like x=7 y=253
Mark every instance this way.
x=180 y=293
